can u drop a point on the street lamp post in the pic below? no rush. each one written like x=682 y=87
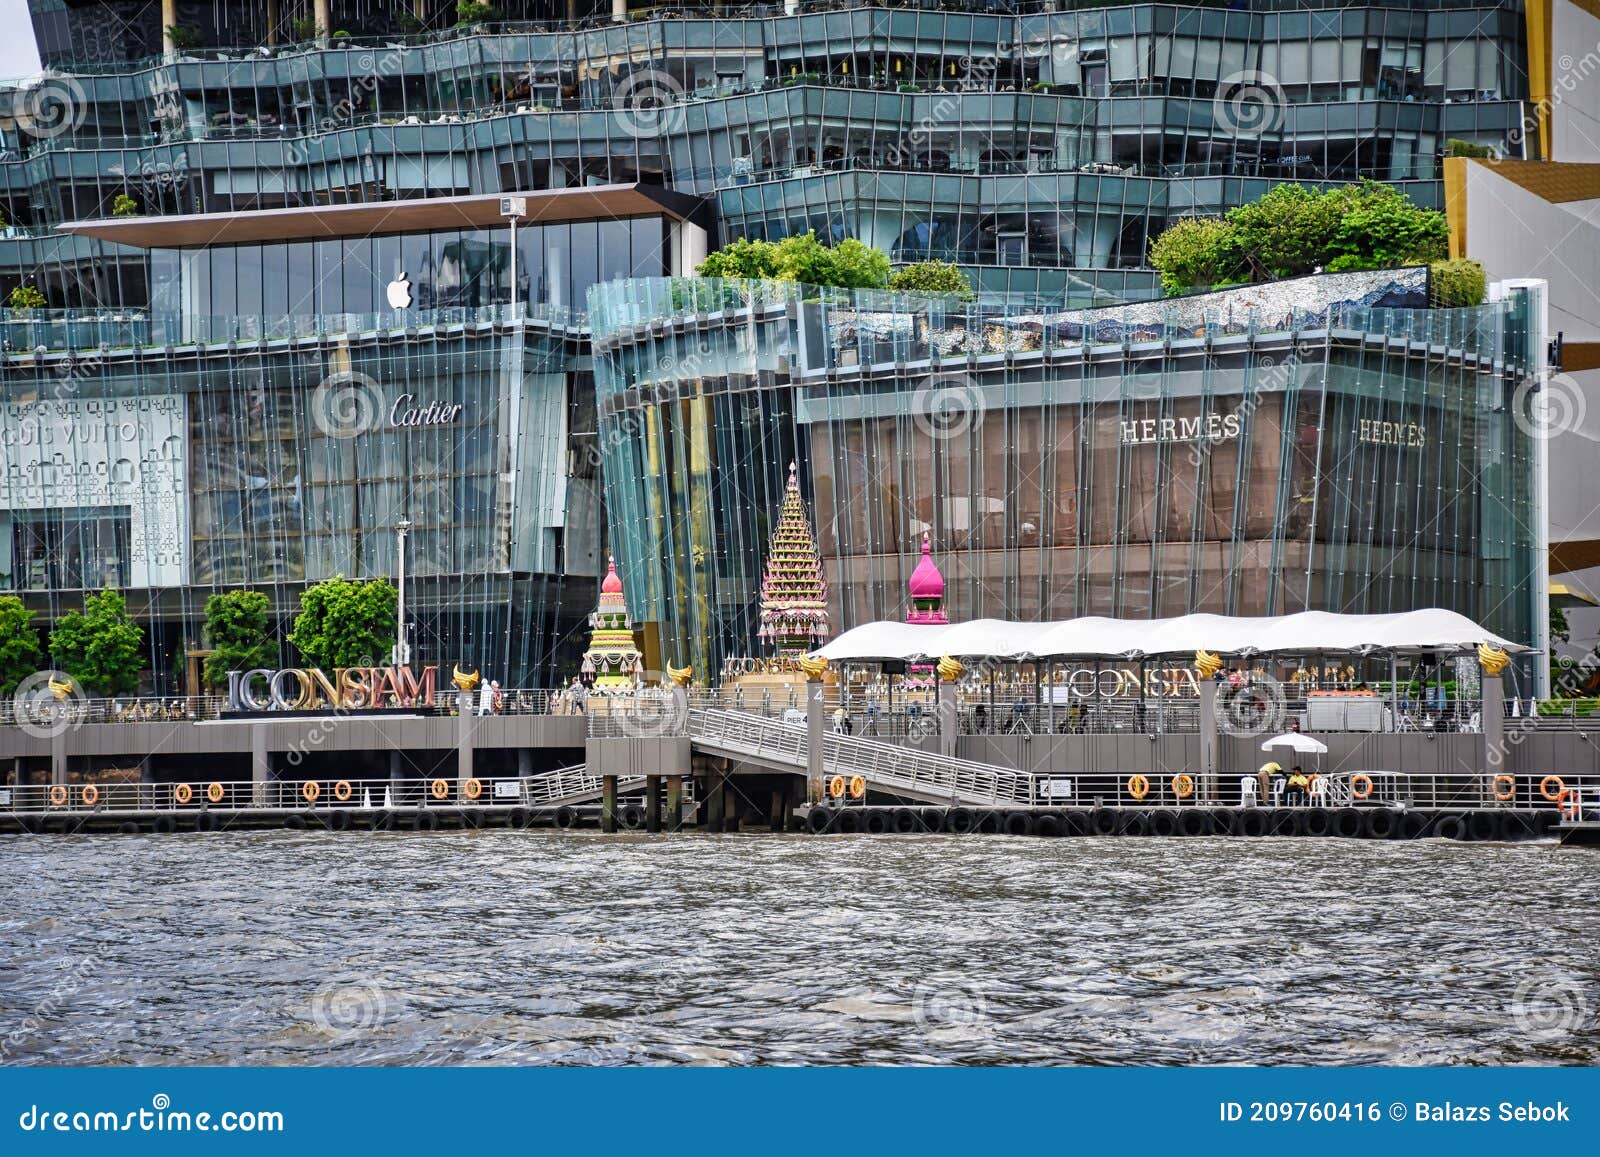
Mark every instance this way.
x=402 y=647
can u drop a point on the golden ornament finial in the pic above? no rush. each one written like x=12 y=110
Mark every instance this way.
x=815 y=666
x=949 y=669
x=680 y=675
x=1207 y=663
x=464 y=681
x=1493 y=660
x=60 y=688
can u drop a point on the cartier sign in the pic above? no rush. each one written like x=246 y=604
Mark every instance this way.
x=408 y=411
x=308 y=688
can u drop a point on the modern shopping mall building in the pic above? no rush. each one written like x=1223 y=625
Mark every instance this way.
x=307 y=321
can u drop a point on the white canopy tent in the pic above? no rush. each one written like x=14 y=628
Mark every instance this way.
x=1100 y=638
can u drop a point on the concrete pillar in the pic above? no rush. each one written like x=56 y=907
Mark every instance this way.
x=619 y=10
x=949 y=721
x=814 y=740
x=674 y=802
x=716 y=805
x=776 y=810
x=524 y=762
x=572 y=10
x=260 y=766
x=58 y=755
x=1208 y=741
x=608 y=803
x=319 y=17
x=1494 y=732
x=652 y=803
x=272 y=23
x=397 y=778
x=169 y=20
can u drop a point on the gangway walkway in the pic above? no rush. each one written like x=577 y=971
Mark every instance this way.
x=904 y=771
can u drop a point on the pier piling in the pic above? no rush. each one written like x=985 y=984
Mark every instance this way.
x=608 y=804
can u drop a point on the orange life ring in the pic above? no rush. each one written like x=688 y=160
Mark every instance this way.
x=341 y=790
x=183 y=793
x=1138 y=786
x=440 y=789
x=473 y=789
x=1360 y=785
x=1183 y=785
x=858 y=786
x=91 y=795
x=836 y=787
x=214 y=793
x=58 y=795
x=310 y=790
x=1567 y=803
x=1509 y=790
x=1551 y=787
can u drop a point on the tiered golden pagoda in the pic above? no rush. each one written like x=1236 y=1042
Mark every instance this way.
x=612 y=662
x=794 y=595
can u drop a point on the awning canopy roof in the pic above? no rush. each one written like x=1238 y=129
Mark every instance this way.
x=1100 y=638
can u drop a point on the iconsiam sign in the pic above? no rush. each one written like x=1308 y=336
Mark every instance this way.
x=310 y=689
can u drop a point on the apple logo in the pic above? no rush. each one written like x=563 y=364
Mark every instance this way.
x=399 y=292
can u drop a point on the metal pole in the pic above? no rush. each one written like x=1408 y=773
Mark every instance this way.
x=402 y=648
x=516 y=298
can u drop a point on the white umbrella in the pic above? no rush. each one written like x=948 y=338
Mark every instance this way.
x=1296 y=742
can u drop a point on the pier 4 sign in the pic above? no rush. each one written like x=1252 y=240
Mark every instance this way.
x=310 y=689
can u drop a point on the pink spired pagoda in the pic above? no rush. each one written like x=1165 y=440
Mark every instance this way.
x=926 y=589
x=794 y=595
x=612 y=659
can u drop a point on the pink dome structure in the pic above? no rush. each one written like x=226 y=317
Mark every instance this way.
x=927 y=589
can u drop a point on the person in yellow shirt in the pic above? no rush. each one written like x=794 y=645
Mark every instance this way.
x=1299 y=789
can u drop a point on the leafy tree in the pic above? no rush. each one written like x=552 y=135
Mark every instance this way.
x=470 y=12
x=1292 y=231
x=124 y=206
x=1456 y=283
x=1285 y=233
x=932 y=277
x=25 y=296
x=1194 y=252
x=345 y=623
x=19 y=643
x=1377 y=227
x=801 y=258
x=102 y=648
x=236 y=627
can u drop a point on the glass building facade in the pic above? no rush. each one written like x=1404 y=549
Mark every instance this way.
x=1355 y=457
x=167 y=415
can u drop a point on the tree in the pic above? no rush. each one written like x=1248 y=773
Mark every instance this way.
x=1377 y=227
x=19 y=643
x=236 y=630
x=1285 y=233
x=932 y=277
x=345 y=623
x=1457 y=283
x=102 y=648
x=803 y=259
x=1292 y=231
x=1193 y=253
x=25 y=296
x=124 y=206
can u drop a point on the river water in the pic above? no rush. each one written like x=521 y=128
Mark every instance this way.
x=510 y=947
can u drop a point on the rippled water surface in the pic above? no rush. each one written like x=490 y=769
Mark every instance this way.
x=566 y=948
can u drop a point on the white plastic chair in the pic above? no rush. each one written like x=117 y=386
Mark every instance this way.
x=1247 y=791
